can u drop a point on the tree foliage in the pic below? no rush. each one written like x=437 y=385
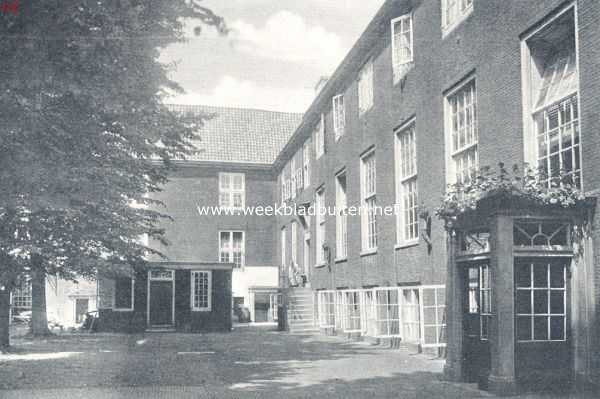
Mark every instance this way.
x=85 y=137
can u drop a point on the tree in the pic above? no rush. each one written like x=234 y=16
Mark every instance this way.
x=85 y=135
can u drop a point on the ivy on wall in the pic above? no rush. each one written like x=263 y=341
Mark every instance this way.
x=528 y=184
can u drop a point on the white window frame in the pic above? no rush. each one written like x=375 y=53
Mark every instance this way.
x=401 y=66
x=283 y=239
x=306 y=163
x=455 y=155
x=231 y=191
x=321 y=226
x=464 y=8
x=193 y=291
x=339 y=116
x=294 y=253
x=365 y=88
x=319 y=135
x=130 y=309
x=369 y=217
x=306 y=249
x=532 y=315
x=230 y=247
x=294 y=187
x=341 y=217
x=529 y=92
x=404 y=180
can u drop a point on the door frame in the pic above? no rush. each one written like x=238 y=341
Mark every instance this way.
x=162 y=278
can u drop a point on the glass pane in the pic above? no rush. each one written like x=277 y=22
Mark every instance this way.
x=523 y=275
x=524 y=301
x=540 y=302
x=540 y=275
x=557 y=276
x=430 y=335
x=540 y=327
x=557 y=328
x=557 y=302
x=524 y=328
x=429 y=315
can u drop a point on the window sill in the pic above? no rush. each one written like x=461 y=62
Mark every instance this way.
x=340 y=260
x=320 y=265
x=201 y=310
x=406 y=244
x=122 y=310
x=369 y=252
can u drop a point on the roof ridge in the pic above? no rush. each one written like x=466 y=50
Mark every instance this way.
x=234 y=108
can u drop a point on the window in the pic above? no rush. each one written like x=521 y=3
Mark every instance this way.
x=551 y=92
x=341 y=217
x=306 y=162
x=411 y=311
x=232 y=248
x=283 y=247
x=320 y=210
x=480 y=297
x=339 y=116
x=293 y=177
x=306 y=252
x=453 y=12
x=124 y=294
x=21 y=297
x=407 y=195
x=351 y=320
x=319 y=137
x=297 y=170
x=369 y=202
x=327 y=309
x=402 y=45
x=201 y=291
x=541 y=301
x=365 y=88
x=434 y=316
x=231 y=190
x=461 y=133
x=387 y=304
x=295 y=242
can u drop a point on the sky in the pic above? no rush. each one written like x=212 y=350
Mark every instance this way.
x=273 y=57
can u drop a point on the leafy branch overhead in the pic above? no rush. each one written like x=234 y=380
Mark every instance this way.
x=85 y=135
x=528 y=184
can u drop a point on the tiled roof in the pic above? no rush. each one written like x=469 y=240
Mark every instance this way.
x=241 y=135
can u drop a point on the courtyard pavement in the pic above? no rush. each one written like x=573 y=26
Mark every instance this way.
x=247 y=363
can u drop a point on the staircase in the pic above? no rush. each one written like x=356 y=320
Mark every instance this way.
x=301 y=311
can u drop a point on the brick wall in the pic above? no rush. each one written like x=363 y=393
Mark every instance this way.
x=487 y=44
x=195 y=238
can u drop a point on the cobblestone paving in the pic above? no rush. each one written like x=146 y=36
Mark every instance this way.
x=248 y=363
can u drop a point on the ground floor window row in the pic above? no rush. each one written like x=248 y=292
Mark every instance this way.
x=416 y=314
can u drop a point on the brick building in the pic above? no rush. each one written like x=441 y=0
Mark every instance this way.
x=432 y=91
x=213 y=260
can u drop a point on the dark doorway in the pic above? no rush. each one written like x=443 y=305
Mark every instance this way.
x=161 y=303
x=81 y=308
x=477 y=312
x=261 y=307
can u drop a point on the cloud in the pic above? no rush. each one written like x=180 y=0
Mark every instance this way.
x=231 y=92
x=286 y=36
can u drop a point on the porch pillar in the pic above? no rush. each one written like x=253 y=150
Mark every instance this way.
x=502 y=332
x=453 y=369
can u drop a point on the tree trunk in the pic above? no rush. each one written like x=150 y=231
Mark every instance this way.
x=39 y=318
x=4 y=317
